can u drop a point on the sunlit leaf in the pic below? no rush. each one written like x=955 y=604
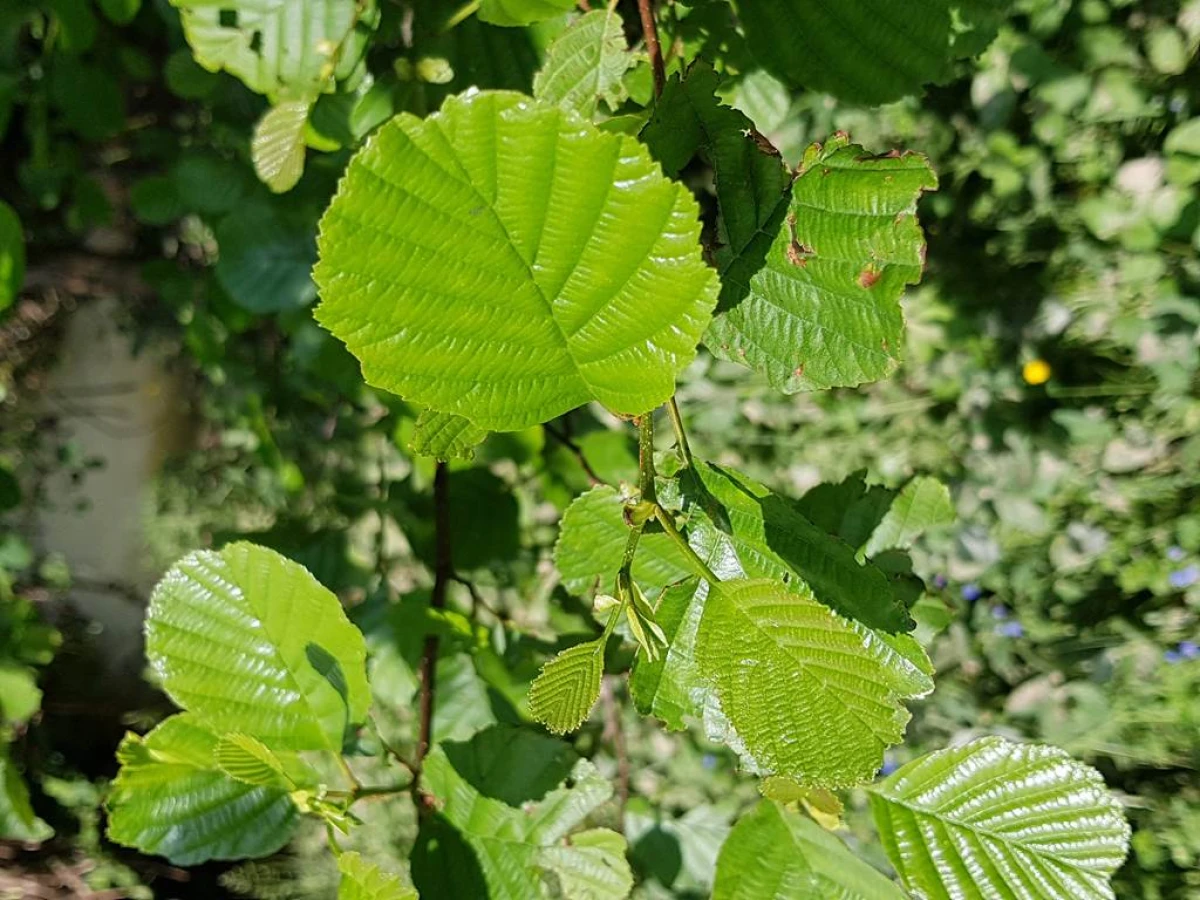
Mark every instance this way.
x=17 y=819
x=446 y=436
x=171 y=799
x=277 y=148
x=492 y=261
x=993 y=820
x=922 y=504
x=12 y=256
x=288 y=51
x=811 y=695
x=568 y=686
x=362 y=880
x=250 y=642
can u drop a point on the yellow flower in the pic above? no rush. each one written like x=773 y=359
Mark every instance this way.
x=1036 y=371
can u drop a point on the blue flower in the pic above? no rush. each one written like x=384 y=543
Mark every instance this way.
x=1175 y=554
x=1183 y=578
x=889 y=765
x=971 y=592
x=939 y=581
x=708 y=761
x=1010 y=630
x=1172 y=656
x=1000 y=611
x=1189 y=649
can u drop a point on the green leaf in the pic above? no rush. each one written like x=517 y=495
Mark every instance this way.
x=591 y=545
x=772 y=539
x=522 y=12
x=568 y=686
x=498 y=805
x=446 y=436
x=277 y=148
x=922 y=504
x=590 y=866
x=866 y=51
x=586 y=64
x=122 y=12
x=12 y=256
x=250 y=642
x=491 y=261
x=993 y=820
x=171 y=799
x=773 y=852
x=292 y=50
x=20 y=696
x=824 y=310
x=810 y=694
x=749 y=176
x=266 y=260
x=362 y=880
x=250 y=761
x=17 y=820
x=672 y=686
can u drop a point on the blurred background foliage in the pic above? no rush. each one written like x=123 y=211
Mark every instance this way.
x=1050 y=379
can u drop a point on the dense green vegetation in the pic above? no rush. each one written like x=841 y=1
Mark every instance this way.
x=942 y=470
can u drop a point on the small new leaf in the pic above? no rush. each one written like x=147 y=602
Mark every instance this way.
x=445 y=436
x=568 y=686
x=277 y=148
x=250 y=761
x=362 y=880
x=994 y=820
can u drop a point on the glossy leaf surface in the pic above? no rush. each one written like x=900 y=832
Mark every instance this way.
x=494 y=261
x=994 y=820
x=171 y=799
x=250 y=642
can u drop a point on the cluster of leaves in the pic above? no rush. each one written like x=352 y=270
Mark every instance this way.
x=497 y=259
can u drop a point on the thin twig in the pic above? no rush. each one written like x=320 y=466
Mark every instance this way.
x=653 y=48
x=443 y=571
x=563 y=439
x=614 y=732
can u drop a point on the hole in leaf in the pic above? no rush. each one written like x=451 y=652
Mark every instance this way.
x=256 y=42
x=227 y=18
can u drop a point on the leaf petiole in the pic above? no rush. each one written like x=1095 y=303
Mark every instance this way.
x=668 y=524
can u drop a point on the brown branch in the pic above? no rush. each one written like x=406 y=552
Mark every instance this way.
x=615 y=734
x=443 y=572
x=653 y=47
x=593 y=478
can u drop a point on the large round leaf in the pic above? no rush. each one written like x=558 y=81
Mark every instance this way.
x=250 y=642
x=993 y=820
x=505 y=261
